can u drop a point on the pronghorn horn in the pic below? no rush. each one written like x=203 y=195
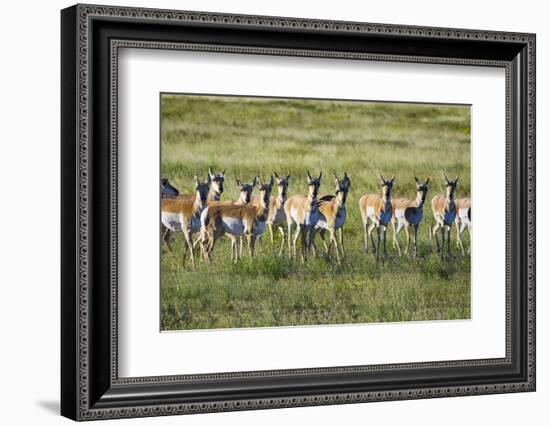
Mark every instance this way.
x=210 y=174
x=223 y=172
x=196 y=181
x=416 y=179
x=308 y=175
x=288 y=176
x=239 y=183
x=392 y=178
x=260 y=181
x=276 y=175
x=255 y=181
x=381 y=177
x=271 y=180
x=446 y=179
x=427 y=180
x=346 y=179
x=320 y=175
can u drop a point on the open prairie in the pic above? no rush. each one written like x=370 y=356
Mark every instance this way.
x=258 y=136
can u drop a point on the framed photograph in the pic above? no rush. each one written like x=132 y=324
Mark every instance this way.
x=263 y=212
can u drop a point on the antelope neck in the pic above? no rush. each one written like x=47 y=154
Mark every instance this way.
x=198 y=204
x=262 y=211
x=214 y=195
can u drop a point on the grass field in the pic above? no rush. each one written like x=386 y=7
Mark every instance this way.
x=252 y=136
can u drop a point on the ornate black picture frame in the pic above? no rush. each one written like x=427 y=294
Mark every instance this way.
x=91 y=36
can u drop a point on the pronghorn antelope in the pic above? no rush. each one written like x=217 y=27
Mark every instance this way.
x=277 y=215
x=463 y=220
x=245 y=195
x=332 y=215
x=236 y=220
x=444 y=211
x=167 y=190
x=183 y=214
x=408 y=212
x=215 y=189
x=303 y=210
x=378 y=210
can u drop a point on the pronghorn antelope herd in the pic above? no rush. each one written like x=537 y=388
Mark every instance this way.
x=302 y=216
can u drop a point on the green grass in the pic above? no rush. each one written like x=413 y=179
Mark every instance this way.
x=249 y=137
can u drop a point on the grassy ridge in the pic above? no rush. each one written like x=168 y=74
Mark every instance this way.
x=249 y=137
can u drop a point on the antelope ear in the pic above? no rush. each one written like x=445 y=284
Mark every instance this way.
x=308 y=175
x=196 y=179
x=427 y=181
x=320 y=175
x=239 y=183
x=255 y=181
x=223 y=173
x=416 y=179
x=392 y=179
x=271 y=181
x=456 y=180
x=445 y=177
x=381 y=177
x=288 y=176
x=210 y=174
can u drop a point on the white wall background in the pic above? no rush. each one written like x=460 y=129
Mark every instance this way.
x=29 y=226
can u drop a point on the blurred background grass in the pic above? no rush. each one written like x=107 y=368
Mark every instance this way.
x=255 y=136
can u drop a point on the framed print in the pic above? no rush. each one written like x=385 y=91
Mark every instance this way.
x=263 y=212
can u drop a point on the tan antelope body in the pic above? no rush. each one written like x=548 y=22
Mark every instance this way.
x=183 y=214
x=408 y=212
x=444 y=212
x=303 y=210
x=277 y=216
x=235 y=220
x=463 y=220
x=377 y=210
x=332 y=216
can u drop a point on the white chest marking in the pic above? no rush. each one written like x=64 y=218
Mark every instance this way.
x=280 y=217
x=385 y=217
x=195 y=223
x=312 y=216
x=414 y=216
x=340 y=218
x=449 y=216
